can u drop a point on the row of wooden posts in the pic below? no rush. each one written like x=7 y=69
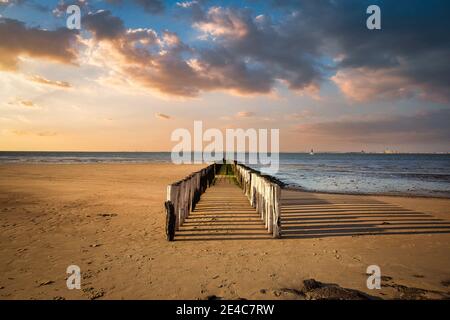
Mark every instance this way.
x=182 y=196
x=262 y=191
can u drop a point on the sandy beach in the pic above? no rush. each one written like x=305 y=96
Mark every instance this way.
x=109 y=220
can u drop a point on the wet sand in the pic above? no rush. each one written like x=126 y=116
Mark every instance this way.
x=108 y=219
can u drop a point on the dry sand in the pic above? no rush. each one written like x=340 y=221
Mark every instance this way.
x=108 y=219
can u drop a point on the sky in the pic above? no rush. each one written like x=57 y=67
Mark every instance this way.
x=139 y=69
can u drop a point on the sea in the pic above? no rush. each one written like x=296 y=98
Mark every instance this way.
x=356 y=173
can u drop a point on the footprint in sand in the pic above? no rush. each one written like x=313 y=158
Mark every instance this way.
x=445 y=283
x=93 y=293
x=45 y=283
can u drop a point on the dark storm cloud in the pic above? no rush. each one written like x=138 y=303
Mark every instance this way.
x=414 y=43
x=267 y=50
x=234 y=72
x=103 y=24
x=17 y=39
x=409 y=56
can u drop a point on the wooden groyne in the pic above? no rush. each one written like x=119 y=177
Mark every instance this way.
x=232 y=201
x=263 y=193
x=183 y=195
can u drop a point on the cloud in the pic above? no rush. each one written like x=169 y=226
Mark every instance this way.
x=61 y=7
x=302 y=45
x=42 y=80
x=242 y=64
x=364 y=84
x=143 y=56
x=255 y=52
x=22 y=103
x=149 y=6
x=104 y=25
x=410 y=51
x=26 y=103
x=30 y=3
x=162 y=116
x=247 y=54
x=245 y=114
x=313 y=41
x=225 y=22
x=422 y=127
x=304 y=114
x=192 y=9
x=187 y=4
x=34 y=133
x=367 y=84
x=18 y=40
x=4 y=3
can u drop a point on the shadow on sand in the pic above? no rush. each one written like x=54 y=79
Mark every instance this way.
x=305 y=215
x=224 y=213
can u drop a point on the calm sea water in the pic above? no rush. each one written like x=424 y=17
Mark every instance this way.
x=403 y=174
x=406 y=174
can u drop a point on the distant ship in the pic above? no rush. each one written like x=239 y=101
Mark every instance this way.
x=312 y=152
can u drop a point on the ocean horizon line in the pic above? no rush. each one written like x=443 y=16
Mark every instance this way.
x=281 y=152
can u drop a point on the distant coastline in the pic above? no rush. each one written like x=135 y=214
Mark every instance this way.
x=411 y=174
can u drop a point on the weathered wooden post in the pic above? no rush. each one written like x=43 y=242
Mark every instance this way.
x=253 y=195
x=170 y=220
x=277 y=212
x=181 y=203
x=271 y=208
x=173 y=195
